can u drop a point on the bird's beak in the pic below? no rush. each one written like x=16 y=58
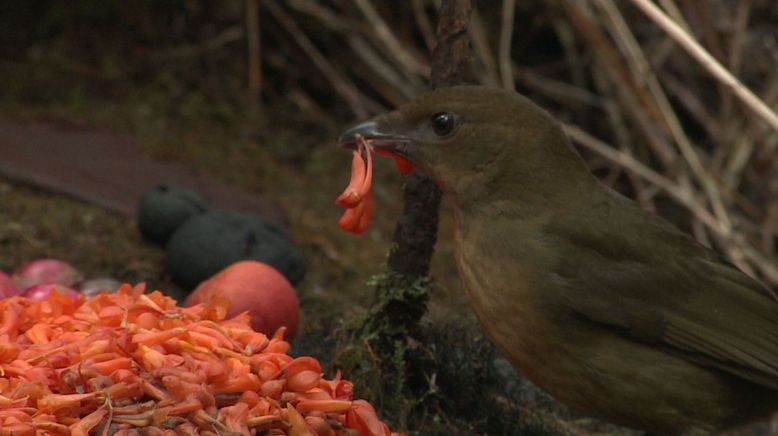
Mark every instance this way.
x=381 y=137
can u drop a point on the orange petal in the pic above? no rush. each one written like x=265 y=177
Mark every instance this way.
x=303 y=381
x=347 y=220
x=350 y=196
x=363 y=418
x=186 y=406
x=297 y=424
x=154 y=338
x=302 y=363
x=367 y=181
x=18 y=430
x=54 y=402
x=366 y=215
x=326 y=406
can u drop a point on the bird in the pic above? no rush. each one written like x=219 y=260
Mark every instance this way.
x=608 y=307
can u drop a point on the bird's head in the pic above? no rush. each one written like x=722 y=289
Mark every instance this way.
x=471 y=138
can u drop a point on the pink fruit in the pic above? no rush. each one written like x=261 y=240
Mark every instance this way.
x=42 y=292
x=7 y=287
x=42 y=271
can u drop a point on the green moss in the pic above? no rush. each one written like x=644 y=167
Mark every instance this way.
x=399 y=305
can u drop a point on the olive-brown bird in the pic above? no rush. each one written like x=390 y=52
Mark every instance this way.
x=606 y=306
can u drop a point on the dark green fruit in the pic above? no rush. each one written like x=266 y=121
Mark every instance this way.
x=206 y=244
x=164 y=208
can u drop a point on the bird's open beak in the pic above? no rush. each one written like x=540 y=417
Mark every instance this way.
x=380 y=137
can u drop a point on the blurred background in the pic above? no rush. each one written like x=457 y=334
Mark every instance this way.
x=250 y=95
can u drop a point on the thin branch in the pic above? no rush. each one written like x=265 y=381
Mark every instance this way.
x=693 y=105
x=573 y=55
x=227 y=36
x=638 y=104
x=371 y=57
x=734 y=244
x=739 y=249
x=624 y=138
x=327 y=17
x=482 y=50
x=346 y=90
x=563 y=92
x=742 y=148
x=378 y=65
x=739 y=36
x=384 y=34
x=253 y=48
x=424 y=24
x=506 y=34
x=683 y=196
x=643 y=72
x=675 y=12
x=708 y=62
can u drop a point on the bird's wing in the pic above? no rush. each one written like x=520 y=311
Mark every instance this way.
x=657 y=285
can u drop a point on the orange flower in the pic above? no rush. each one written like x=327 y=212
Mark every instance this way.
x=129 y=360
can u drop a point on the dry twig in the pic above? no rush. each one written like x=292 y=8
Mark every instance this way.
x=506 y=34
x=253 y=47
x=358 y=103
x=708 y=62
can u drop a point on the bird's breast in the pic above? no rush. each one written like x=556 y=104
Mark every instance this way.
x=509 y=291
x=502 y=287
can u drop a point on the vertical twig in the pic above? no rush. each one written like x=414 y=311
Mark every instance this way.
x=506 y=34
x=451 y=57
x=482 y=52
x=729 y=123
x=424 y=24
x=254 y=49
x=417 y=230
x=403 y=294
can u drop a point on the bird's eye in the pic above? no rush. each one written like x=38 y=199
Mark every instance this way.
x=443 y=123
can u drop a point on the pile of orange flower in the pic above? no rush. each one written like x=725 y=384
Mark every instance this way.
x=134 y=363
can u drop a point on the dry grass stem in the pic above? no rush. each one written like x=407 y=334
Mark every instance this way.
x=424 y=24
x=506 y=35
x=253 y=47
x=708 y=62
x=643 y=72
x=346 y=90
x=482 y=51
x=411 y=65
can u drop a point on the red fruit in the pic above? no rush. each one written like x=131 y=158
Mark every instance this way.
x=257 y=288
x=43 y=271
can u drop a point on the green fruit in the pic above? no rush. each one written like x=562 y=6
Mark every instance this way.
x=207 y=243
x=164 y=208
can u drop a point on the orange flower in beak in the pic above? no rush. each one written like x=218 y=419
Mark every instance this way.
x=357 y=198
